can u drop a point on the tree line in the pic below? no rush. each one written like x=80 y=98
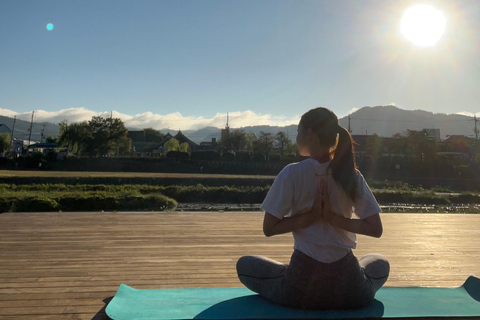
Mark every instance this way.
x=411 y=153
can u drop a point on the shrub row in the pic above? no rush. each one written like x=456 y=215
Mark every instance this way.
x=411 y=197
x=224 y=194
x=56 y=197
x=83 y=201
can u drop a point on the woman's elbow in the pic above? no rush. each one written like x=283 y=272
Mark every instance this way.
x=375 y=227
x=376 y=230
x=377 y=233
x=268 y=232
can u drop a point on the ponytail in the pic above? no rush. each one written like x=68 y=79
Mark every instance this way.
x=343 y=163
x=325 y=124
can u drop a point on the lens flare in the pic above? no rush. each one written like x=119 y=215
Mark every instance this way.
x=49 y=27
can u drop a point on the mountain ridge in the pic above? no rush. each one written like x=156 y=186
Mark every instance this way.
x=381 y=120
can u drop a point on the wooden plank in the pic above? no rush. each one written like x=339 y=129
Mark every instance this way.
x=63 y=266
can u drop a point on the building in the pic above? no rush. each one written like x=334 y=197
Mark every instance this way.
x=432 y=133
x=208 y=145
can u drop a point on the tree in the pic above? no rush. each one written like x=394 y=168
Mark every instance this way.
x=51 y=139
x=98 y=137
x=235 y=140
x=152 y=135
x=172 y=145
x=374 y=146
x=421 y=145
x=265 y=143
x=398 y=144
x=458 y=144
x=283 y=143
x=251 y=142
x=106 y=135
x=183 y=147
x=5 y=142
x=63 y=126
x=74 y=136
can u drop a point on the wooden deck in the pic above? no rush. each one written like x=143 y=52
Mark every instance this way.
x=67 y=265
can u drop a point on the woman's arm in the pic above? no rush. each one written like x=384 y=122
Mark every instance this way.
x=370 y=226
x=272 y=225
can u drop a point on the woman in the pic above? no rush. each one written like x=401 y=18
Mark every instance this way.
x=315 y=199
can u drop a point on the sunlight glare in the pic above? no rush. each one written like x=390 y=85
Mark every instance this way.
x=423 y=25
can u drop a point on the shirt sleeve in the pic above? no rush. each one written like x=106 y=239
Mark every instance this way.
x=279 y=199
x=365 y=203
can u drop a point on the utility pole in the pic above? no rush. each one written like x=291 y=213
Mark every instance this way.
x=476 y=130
x=42 y=135
x=476 y=133
x=31 y=125
x=12 y=146
x=349 y=129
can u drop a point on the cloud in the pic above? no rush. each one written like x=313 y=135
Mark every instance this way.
x=352 y=110
x=468 y=114
x=173 y=121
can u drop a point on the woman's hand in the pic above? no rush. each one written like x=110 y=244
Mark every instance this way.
x=321 y=205
x=327 y=214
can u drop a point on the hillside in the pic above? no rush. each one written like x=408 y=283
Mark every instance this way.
x=388 y=120
x=22 y=128
x=382 y=120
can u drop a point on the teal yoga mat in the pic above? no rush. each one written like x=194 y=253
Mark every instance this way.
x=241 y=303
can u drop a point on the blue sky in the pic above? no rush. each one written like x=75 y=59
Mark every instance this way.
x=186 y=64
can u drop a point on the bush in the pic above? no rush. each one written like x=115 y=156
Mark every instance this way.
x=411 y=198
x=205 y=155
x=259 y=157
x=225 y=194
x=28 y=204
x=469 y=198
x=80 y=198
x=275 y=157
x=243 y=156
x=291 y=157
x=178 y=155
x=228 y=156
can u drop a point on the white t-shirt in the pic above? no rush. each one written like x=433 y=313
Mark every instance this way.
x=293 y=192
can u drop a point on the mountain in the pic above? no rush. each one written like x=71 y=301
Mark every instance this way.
x=384 y=121
x=22 y=128
x=387 y=120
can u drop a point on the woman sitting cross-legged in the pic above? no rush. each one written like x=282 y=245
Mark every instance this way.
x=315 y=199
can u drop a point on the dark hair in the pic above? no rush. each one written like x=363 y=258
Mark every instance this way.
x=325 y=123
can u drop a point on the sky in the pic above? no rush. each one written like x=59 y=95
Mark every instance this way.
x=182 y=64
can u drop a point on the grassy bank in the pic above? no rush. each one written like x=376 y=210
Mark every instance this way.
x=96 y=197
x=61 y=197
x=47 y=197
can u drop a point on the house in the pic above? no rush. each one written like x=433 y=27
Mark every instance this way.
x=432 y=133
x=208 y=145
x=43 y=148
x=180 y=137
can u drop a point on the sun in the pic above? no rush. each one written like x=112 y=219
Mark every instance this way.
x=423 y=25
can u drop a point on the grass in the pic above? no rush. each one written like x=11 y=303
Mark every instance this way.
x=118 y=196
x=93 y=197
x=93 y=174
x=54 y=197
